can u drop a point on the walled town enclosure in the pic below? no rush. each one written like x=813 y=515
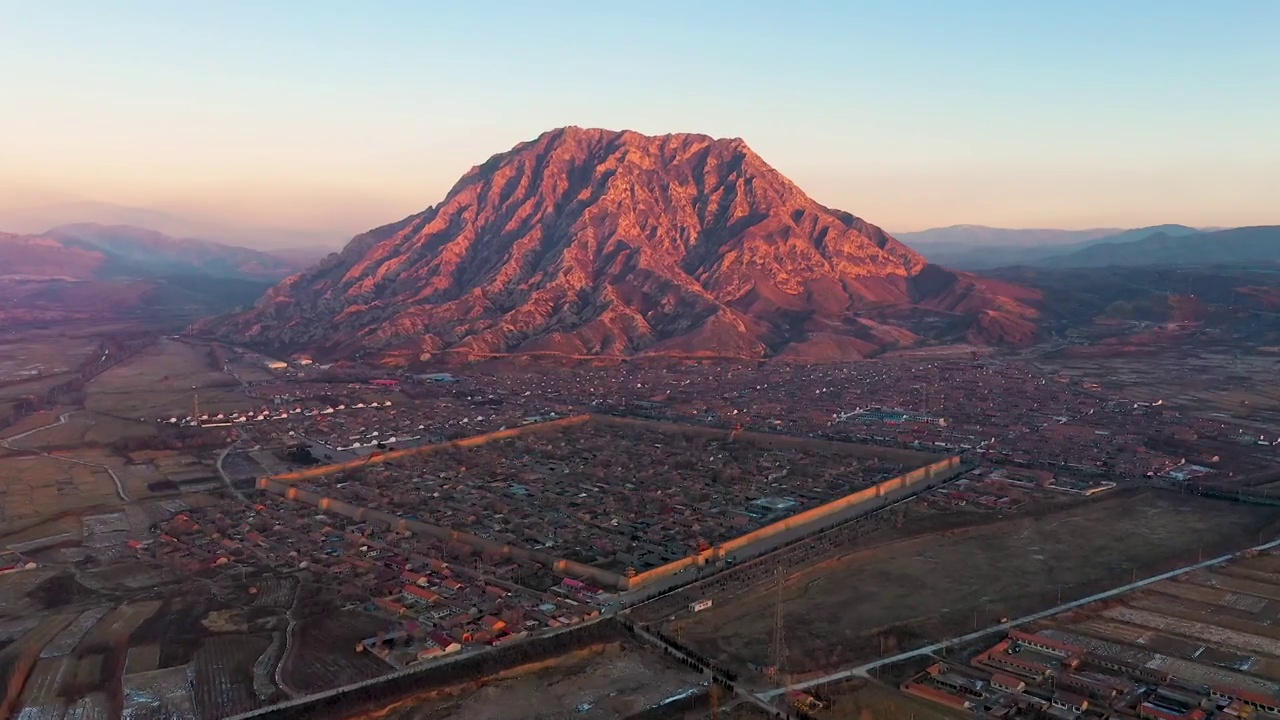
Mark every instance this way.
x=711 y=495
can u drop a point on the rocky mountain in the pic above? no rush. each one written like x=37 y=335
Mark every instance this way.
x=1237 y=246
x=595 y=242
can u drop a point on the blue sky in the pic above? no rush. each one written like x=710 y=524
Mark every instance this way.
x=911 y=114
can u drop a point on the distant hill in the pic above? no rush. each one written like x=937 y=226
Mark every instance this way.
x=981 y=235
x=973 y=247
x=1237 y=246
x=302 y=257
x=24 y=257
x=36 y=220
x=135 y=252
x=94 y=272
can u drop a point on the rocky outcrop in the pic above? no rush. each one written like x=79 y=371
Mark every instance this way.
x=594 y=242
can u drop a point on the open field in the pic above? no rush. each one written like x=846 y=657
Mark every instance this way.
x=162 y=382
x=40 y=486
x=223 y=671
x=19 y=597
x=43 y=532
x=322 y=655
x=159 y=694
x=19 y=658
x=1207 y=381
x=13 y=391
x=864 y=700
x=29 y=354
x=249 y=372
x=40 y=694
x=32 y=424
x=1201 y=638
x=900 y=595
x=33 y=360
x=98 y=639
x=595 y=683
x=80 y=427
x=116 y=627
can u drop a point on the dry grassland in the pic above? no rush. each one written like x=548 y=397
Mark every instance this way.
x=610 y=682
x=907 y=593
x=36 y=487
x=162 y=383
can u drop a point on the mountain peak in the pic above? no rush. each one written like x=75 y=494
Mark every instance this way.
x=589 y=241
x=577 y=133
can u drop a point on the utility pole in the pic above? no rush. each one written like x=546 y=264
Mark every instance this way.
x=779 y=644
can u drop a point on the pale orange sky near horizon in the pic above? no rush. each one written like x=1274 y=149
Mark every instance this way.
x=341 y=118
x=1071 y=198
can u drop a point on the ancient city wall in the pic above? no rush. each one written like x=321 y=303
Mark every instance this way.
x=889 y=491
x=468 y=442
x=829 y=514
x=770 y=440
x=906 y=457
x=752 y=543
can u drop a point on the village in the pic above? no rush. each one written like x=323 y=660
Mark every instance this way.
x=621 y=498
x=996 y=412
x=435 y=599
x=1198 y=646
x=398 y=520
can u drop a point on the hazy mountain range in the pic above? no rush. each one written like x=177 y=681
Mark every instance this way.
x=38 y=219
x=1182 y=246
x=973 y=247
x=89 y=251
x=91 y=272
x=976 y=248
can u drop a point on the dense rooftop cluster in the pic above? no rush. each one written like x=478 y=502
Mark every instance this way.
x=425 y=587
x=618 y=498
x=1003 y=412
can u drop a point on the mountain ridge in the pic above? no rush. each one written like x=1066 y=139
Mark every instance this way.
x=1242 y=245
x=1030 y=247
x=35 y=220
x=587 y=241
x=95 y=251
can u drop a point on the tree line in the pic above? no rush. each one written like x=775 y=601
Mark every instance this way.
x=111 y=351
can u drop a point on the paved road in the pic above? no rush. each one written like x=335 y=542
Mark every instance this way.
x=865 y=670
x=226 y=479
x=62 y=420
x=288 y=643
